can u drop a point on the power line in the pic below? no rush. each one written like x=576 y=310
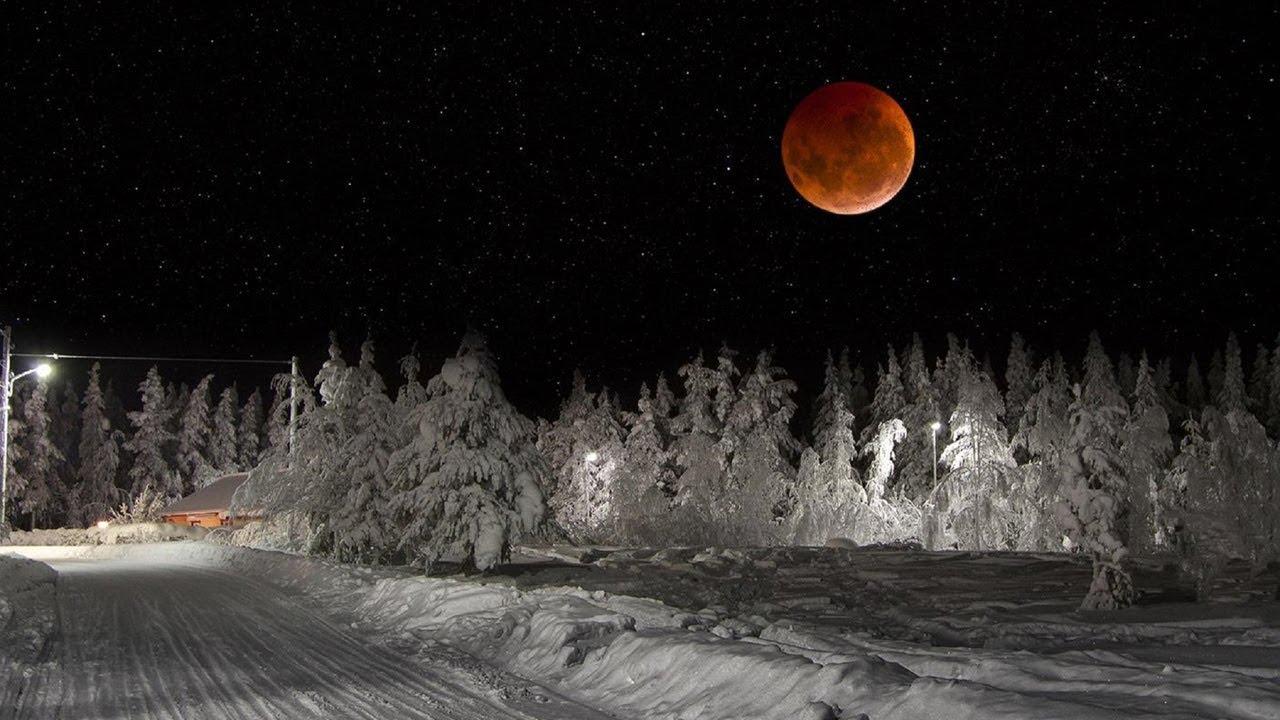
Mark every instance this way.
x=61 y=356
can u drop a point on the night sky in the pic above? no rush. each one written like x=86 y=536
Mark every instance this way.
x=604 y=189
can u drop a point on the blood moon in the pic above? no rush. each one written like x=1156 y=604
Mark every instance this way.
x=848 y=148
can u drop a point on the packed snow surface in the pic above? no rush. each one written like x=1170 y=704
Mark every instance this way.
x=173 y=632
x=679 y=633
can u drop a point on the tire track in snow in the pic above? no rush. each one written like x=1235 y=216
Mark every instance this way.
x=169 y=641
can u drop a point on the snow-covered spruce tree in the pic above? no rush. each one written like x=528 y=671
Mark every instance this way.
x=664 y=403
x=758 y=441
x=699 y=509
x=1042 y=440
x=276 y=424
x=99 y=452
x=853 y=383
x=1094 y=514
x=333 y=373
x=1272 y=415
x=17 y=430
x=583 y=507
x=1018 y=376
x=1220 y=499
x=1260 y=382
x=1217 y=371
x=726 y=375
x=889 y=402
x=558 y=440
x=830 y=400
x=65 y=430
x=828 y=494
x=286 y=482
x=646 y=479
x=915 y=456
x=1126 y=374
x=151 y=444
x=412 y=393
x=360 y=522
x=194 y=429
x=881 y=448
x=1146 y=450
x=1231 y=395
x=222 y=441
x=971 y=506
x=1162 y=378
x=1194 y=397
x=249 y=431
x=949 y=373
x=37 y=469
x=471 y=478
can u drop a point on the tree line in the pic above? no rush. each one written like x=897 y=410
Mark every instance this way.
x=76 y=457
x=1106 y=457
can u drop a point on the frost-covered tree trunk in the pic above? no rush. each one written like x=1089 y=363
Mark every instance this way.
x=470 y=482
x=151 y=444
x=1094 y=512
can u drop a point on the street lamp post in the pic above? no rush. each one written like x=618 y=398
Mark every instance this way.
x=935 y=426
x=6 y=391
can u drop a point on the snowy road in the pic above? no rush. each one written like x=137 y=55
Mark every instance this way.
x=142 y=639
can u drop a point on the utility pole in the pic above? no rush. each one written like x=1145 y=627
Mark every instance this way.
x=4 y=429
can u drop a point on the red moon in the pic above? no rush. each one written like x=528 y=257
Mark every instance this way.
x=848 y=148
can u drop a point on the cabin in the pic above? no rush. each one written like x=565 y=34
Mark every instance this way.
x=210 y=506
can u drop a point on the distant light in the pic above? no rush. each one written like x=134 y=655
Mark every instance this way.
x=935 y=426
x=592 y=456
x=44 y=370
x=102 y=524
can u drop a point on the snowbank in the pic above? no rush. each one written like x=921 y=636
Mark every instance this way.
x=640 y=657
x=27 y=613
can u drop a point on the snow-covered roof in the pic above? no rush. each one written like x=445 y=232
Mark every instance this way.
x=214 y=497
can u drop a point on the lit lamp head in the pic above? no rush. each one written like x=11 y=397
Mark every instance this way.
x=935 y=426
x=592 y=456
x=44 y=370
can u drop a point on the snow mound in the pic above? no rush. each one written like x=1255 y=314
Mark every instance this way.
x=27 y=616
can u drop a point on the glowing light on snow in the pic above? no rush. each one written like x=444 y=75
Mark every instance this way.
x=102 y=524
x=44 y=370
x=592 y=456
x=935 y=426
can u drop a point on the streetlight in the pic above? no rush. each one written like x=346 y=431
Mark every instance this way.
x=935 y=426
x=592 y=456
x=42 y=371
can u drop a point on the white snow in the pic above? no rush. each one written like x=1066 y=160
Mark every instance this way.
x=750 y=633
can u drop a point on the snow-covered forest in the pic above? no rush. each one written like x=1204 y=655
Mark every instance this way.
x=1107 y=457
